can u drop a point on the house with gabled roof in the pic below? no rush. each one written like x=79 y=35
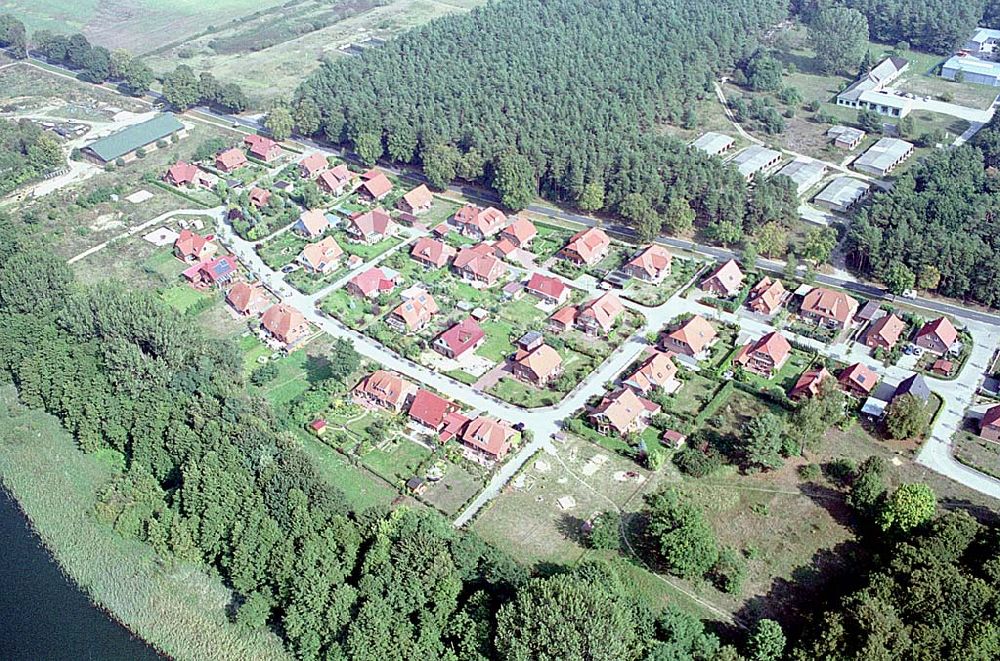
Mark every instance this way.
x=650 y=265
x=181 y=174
x=370 y=284
x=285 y=324
x=656 y=371
x=914 y=385
x=519 y=233
x=190 y=247
x=370 y=227
x=829 y=307
x=539 y=365
x=230 y=160
x=563 y=318
x=312 y=165
x=767 y=297
x=809 y=383
x=487 y=437
x=477 y=222
x=459 y=339
x=599 y=314
x=312 y=224
x=431 y=252
x=337 y=180
x=588 y=247
x=858 y=379
x=247 y=299
x=691 y=338
x=218 y=271
x=622 y=413
x=259 y=197
x=385 y=390
x=417 y=201
x=479 y=264
x=429 y=410
x=989 y=426
x=321 y=257
x=765 y=356
x=884 y=332
x=262 y=148
x=549 y=289
x=414 y=313
x=725 y=281
x=937 y=336
x=374 y=187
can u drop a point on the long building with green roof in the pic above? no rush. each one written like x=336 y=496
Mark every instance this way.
x=124 y=144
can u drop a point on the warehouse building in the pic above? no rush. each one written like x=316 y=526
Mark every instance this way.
x=125 y=143
x=713 y=143
x=842 y=194
x=754 y=160
x=805 y=172
x=884 y=156
x=972 y=70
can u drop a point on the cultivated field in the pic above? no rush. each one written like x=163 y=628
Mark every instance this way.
x=139 y=25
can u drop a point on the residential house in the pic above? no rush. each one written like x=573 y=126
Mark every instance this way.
x=657 y=371
x=650 y=265
x=181 y=174
x=321 y=257
x=599 y=314
x=370 y=226
x=479 y=264
x=512 y=291
x=384 y=390
x=915 y=386
x=247 y=299
x=672 y=438
x=937 y=336
x=587 y=247
x=503 y=248
x=767 y=296
x=858 y=380
x=431 y=252
x=312 y=165
x=692 y=337
x=538 y=366
x=478 y=223
x=725 y=281
x=809 y=383
x=765 y=356
x=262 y=148
x=375 y=187
x=884 y=332
x=230 y=160
x=429 y=410
x=259 y=197
x=417 y=201
x=312 y=224
x=459 y=339
x=414 y=313
x=989 y=426
x=831 y=308
x=520 y=233
x=337 y=180
x=489 y=438
x=191 y=248
x=285 y=324
x=549 y=289
x=563 y=318
x=622 y=412
x=218 y=271
x=370 y=284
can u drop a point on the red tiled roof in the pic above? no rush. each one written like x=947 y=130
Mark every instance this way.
x=887 y=328
x=480 y=261
x=462 y=336
x=378 y=186
x=774 y=346
x=189 y=244
x=285 y=322
x=942 y=328
x=859 y=375
x=243 y=296
x=371 y=281
x=546 y=285
x=259 y=197
x=588 y=243
x=728 y=275
x=767 y=294
x=652 y=260
x=433 y=251
x=430 y=410
x=376 y=221
x=830 y=304
x=313 y=163
x=488 y=435
x=696 y=333
x=808 y=382
x=418 y=197
x=260 y=146
x=487 y=220
x=604 y=310
x=521 y=229
x=543 y=361
x=230 y=159
x=565 y=316
x=386 y=387
x=992 y=417
x=182 y=173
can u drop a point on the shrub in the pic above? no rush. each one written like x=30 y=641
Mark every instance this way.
x=697 y=463
x=810 y=472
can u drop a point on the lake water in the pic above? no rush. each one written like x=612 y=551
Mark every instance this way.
x=43 y=616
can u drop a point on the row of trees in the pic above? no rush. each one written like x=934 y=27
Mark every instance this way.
x=465 y=101
x=182 y=89
x=26 y=153
x=96 y=64
x=938 y=227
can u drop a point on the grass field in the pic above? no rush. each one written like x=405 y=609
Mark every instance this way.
x=292 y=48
x=361 y=489
x=139 y=25
x=177 y=607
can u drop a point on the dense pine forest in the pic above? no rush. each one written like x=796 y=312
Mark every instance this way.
x=938 y=228
x=561 y=97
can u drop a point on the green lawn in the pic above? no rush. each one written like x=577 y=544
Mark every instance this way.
x=162 y=263
x=252 y=349
x=361 y=489
x=521 y=394
x=183 y=297
x=695 y=392
x=291 y=381
x=497 y=345
x=309 y=282
x=350 y=310
x=652 y=295
x=522 y=311
x=364 y=251
x=462 y=376
x=398 y=463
